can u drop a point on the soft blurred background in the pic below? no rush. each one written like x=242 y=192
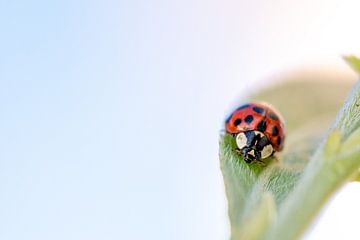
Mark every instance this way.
x=111 y=110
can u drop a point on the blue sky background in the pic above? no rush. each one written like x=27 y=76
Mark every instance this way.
x=91 y=130
x=61 y=174
x=111 y=109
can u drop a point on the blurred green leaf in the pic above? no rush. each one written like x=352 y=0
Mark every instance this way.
x=332 y=144
x=354 y=62
x=288 y=186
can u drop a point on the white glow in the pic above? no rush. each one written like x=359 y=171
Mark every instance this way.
x=340 y=217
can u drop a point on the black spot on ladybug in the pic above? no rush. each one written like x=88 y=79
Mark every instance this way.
x=275 y=131
x=262 y=126
x=258 y=109
x=279 y=140
x=249 y=119
x=273 y=116
x=237 y=122
x=243 y=106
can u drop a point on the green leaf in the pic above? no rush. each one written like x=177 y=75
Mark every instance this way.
x=333 y=164
x=239 y=178
x=263 y=200
x=354 y=62
x=256 y=224
x=352 y=141
x=332 y=144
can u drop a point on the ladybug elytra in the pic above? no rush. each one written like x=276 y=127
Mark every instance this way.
x=258 y=129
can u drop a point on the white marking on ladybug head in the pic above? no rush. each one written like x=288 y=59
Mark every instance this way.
x=251 y=152
x=241 y=140
x=267 y=151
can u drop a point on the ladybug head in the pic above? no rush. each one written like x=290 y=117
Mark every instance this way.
x=253 y=145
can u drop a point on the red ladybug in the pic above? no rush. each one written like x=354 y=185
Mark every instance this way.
x=258 y=129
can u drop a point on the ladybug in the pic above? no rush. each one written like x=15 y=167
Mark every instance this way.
x=258 y=129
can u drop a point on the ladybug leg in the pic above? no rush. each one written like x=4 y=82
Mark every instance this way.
x=261 y=162
x=238 y=151
x=275 y=158
x=268 y=160
x=248 y=159
x=243 y=152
